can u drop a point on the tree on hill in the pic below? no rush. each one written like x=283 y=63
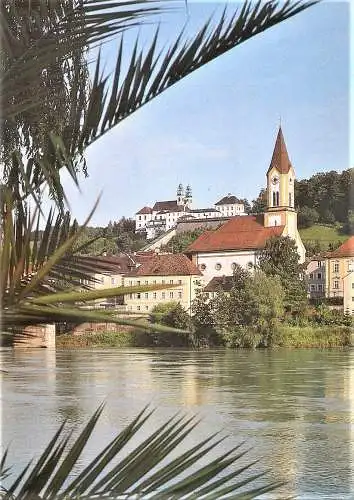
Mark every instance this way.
x=181 y=241
x=307 y=217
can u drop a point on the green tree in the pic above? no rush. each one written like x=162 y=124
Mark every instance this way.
x=259 y=205
x=280 y=258
x=181 y=241
x=307 y=217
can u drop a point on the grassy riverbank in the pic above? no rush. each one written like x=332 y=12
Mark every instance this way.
x=311 y=336
x=286 y=336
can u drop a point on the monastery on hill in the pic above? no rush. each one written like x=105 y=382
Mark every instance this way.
x=239 y=240
x=164 y=215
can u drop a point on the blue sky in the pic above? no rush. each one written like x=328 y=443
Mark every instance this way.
x=216 y=129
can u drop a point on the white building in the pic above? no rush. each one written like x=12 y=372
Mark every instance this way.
x=164 y=215
x=229 y=206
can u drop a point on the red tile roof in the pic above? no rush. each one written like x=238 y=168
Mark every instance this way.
x=345 y=250
x=239 y=233
x=167 y=265
x=145 y=210
x=110 y=264
x=280 y=158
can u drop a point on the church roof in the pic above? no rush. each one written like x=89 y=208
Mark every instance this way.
x=228 y=200
x=345 y=250
x=280 y=158
x=169 y=206
x=239 y=233
x=145 y=210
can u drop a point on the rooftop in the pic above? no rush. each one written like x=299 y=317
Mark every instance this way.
x=345 y=250
x=239 y=233
x=229 y=200
x=167 y=265
x=224 y=283
x=280 y=159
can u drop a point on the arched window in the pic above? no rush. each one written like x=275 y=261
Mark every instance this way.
x=277 y=198
x=290 y=200
x=274 y=199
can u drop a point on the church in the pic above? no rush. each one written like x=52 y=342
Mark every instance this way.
x=238 y=241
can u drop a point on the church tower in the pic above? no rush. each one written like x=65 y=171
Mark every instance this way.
x=188 y=197
x=280 y=193
x=180 y=195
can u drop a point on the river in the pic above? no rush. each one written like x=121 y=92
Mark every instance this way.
x=294 y=408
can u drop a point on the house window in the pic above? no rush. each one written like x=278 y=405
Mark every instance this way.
x=130 y=283
x=146 y=282
x=171 y=282
x=138 y=308
x=336 y=267
x=171 y=295
x=218 y=266
x=138 y=283
x=352 y=285
x=336 y=284
x=163 y=282
x=146 y=295
x=319 y=276
x=147 y=308
x=138 y=295
x=180 y=282
x=154 y=282
x=179 y=295
x=154 y=295
x=320 y=288
x=112 y=281
x=319 y=263
x=311 y=276
x=163 y=295
x=130 y=295
x=312 y=288
x=352 y=299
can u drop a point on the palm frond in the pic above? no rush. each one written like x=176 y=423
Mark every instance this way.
x=148 y=470
x=112 y=98
x=149 y=73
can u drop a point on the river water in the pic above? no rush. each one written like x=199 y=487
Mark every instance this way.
x=294 y=408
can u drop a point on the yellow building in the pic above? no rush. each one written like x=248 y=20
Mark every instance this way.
x=163 y=269
x=339 y=269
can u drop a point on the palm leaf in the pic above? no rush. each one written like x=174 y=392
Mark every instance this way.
x=115 y=473
x=148 y=73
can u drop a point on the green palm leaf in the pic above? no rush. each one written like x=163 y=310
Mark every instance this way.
x=142 y=472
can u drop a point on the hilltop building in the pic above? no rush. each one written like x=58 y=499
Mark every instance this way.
x=238 y=241
x=164 y=215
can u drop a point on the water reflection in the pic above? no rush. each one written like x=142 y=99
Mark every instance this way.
x=296 y=408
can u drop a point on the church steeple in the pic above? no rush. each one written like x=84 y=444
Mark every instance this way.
x=280 y=159
x=280 y=178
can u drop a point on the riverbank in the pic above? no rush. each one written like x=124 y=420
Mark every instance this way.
x=286 y=336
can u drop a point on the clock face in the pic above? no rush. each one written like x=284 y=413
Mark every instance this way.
x=275 y=180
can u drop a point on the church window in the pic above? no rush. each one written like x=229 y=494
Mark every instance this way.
x=274 y=199
x=336 y=267
x=218 y=266
x=290 y=201
x=202 y=267
x=233 y=266
x=277 y=198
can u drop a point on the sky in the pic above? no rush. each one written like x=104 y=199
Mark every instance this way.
x=216 y=129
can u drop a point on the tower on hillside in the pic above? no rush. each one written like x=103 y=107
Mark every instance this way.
x=180 y=195
x=280 y=190
x=188 y=196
